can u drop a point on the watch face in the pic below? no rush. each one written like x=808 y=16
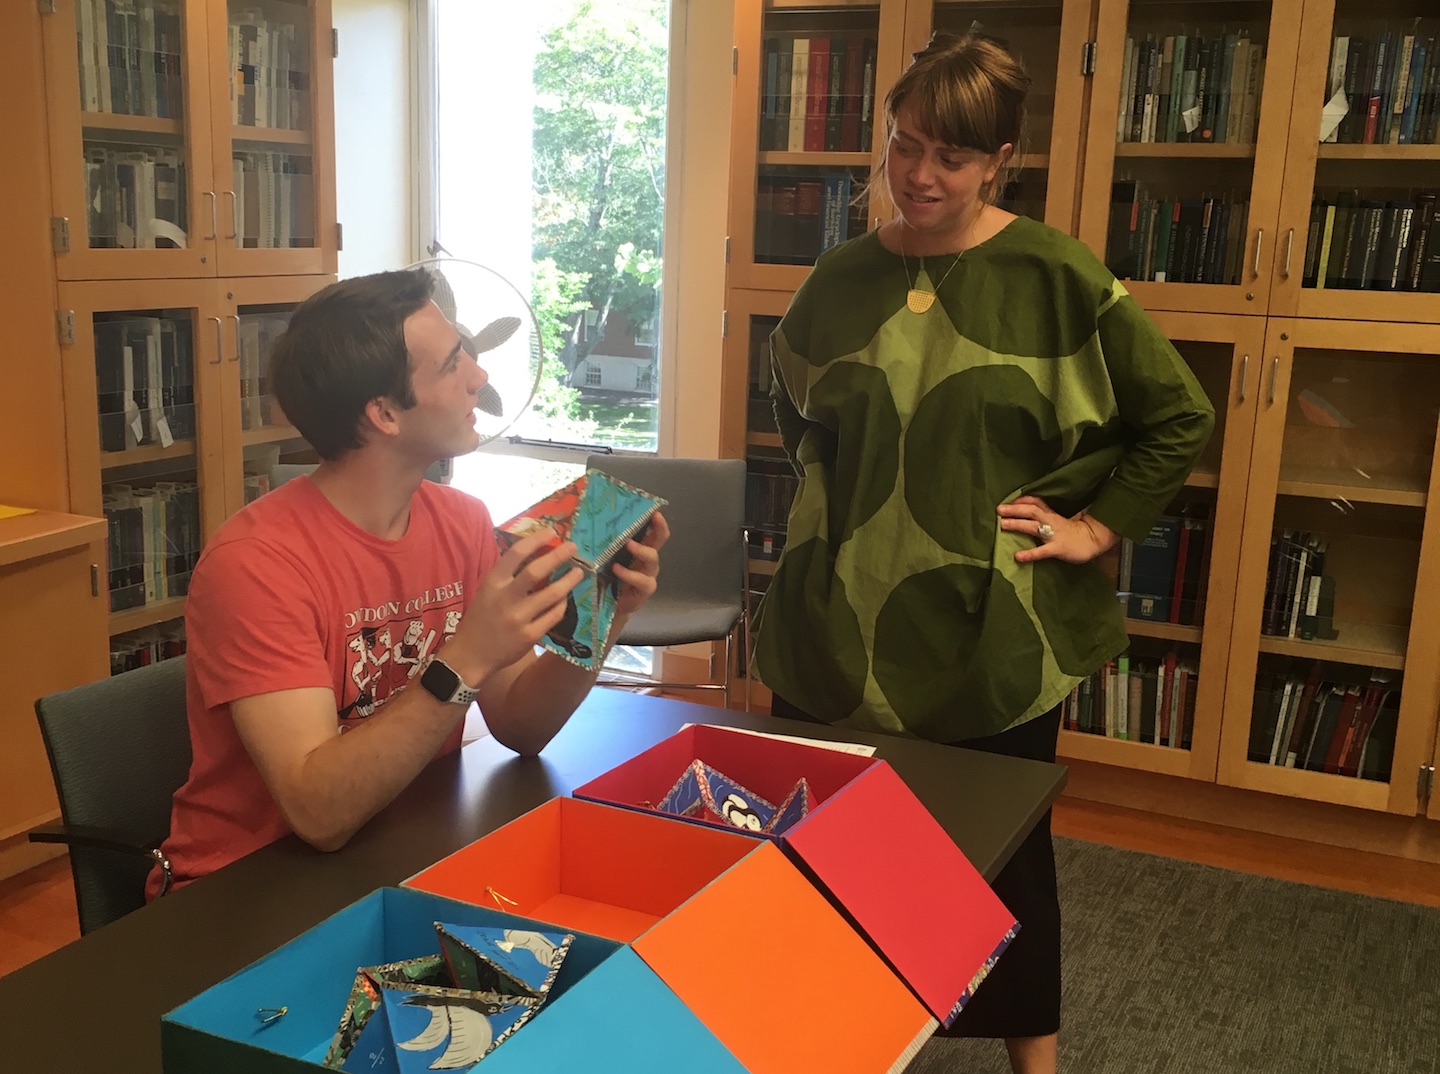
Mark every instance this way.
x=440 y=681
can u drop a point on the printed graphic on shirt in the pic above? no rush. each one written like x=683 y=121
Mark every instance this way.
x=388 y=645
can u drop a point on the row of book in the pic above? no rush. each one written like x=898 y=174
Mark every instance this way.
x=799 y=217
x=817 y=94
x=1190 y=88
x=257 y=332
x=129 y=57
x=1389 y=86
x=154 y=541
x=270 y=62
x=1369 y=244
x=1324 y=723
x=770 y=487
x=1136 y=700
x=1299 y=595
x=149 y=645
x=274 y=199
x=135 y=197
x=1162 y=578
x=144 y=381
x=1175 y=240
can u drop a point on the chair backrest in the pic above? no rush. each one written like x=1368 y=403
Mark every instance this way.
x=119 y=748
x=702 y=572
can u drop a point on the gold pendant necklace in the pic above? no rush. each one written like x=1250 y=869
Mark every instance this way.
x=917 y=299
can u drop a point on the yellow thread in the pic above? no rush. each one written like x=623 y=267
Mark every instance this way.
x=498 y=897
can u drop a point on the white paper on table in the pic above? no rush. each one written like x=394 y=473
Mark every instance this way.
x=858 y=749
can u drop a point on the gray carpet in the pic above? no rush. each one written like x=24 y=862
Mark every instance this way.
x=1171 y=967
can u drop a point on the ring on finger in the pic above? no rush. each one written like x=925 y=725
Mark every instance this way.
x=1044 y=531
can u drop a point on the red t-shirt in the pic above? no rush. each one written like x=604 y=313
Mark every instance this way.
x=289 y=594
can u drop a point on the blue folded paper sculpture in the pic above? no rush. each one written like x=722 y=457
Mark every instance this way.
x=705 y=794
x=449 y=1010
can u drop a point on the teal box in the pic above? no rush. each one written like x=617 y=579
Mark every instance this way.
x=606 y=1010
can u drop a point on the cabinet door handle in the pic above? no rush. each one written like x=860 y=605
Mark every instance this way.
x=1244 y=376
x=1259 y=242
x=236 y=356
x=234 y=216
x=1289 y=249
x=1274 y=377
x=211 y=195
x=219 y=340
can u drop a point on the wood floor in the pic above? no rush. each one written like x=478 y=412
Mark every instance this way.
x=37 y=908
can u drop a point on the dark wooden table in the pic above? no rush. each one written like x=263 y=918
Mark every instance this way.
x=96 y=1004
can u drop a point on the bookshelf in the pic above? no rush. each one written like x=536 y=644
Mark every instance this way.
x=191 y=207
x=1326 y=427
x=191 y=138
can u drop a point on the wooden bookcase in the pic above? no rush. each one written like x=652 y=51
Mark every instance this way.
x=1354 y=471
x=191 y=149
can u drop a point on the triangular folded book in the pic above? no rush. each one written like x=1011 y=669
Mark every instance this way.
x=704 y=793
x=447 y=1011
x=600 y=514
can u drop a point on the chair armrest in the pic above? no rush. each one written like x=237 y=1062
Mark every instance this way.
x=92 y=838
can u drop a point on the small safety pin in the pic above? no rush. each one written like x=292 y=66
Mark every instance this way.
x=271 y=1014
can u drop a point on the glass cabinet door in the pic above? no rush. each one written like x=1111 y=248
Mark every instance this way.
x=1361 y=213
x=273 y=141
x=1189 y=119
x=1049 y=37
x=1159 y=706
x=131 y=181
x=809 y=79
x=1339 y=543
x=140 y=450
x=259 y=435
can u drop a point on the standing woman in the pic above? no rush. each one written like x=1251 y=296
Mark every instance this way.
x=977 y=409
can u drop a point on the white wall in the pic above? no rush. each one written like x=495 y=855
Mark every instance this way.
x=376 y=166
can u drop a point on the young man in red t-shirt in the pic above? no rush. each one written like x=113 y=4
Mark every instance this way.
x=339 y=627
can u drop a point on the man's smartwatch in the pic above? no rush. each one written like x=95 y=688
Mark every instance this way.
x=442 y=682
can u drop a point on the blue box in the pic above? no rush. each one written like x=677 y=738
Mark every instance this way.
x=312 y=975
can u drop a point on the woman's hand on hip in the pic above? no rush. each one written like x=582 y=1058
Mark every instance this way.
x=1074 y=540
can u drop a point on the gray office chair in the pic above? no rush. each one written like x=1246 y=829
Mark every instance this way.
x=118 y=748
x=703 y=577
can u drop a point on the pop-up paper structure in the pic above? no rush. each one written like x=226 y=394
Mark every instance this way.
x=447 y=1011
x=710 y=795
x=600 y=514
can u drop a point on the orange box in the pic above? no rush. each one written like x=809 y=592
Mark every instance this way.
x=771 y=968
x=603 y=870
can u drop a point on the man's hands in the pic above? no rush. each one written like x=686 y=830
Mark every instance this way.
x=1074 y=540
x=515 y=607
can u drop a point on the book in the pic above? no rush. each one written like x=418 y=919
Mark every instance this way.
x=599 y=514
x=1152 y=571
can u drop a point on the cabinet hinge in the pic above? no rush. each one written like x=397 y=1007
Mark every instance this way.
x=724 y=324
x=727 y=249
x=334 y=43
x=734 y=59
x=94 y=579
x=1087 y=59
x=65 y=327
x=1425 y=785
x=47 y=7
x=339 y=236
x=60 y=234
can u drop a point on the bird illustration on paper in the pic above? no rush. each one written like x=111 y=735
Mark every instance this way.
x=462 y=1025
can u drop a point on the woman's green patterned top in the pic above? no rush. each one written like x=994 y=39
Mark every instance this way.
x=898 y=605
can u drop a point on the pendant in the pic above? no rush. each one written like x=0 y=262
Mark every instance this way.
x=919 y=301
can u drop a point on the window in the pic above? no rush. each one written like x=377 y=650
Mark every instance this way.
x=568 y=90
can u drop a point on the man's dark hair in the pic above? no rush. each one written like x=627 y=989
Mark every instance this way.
x=345 y=346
